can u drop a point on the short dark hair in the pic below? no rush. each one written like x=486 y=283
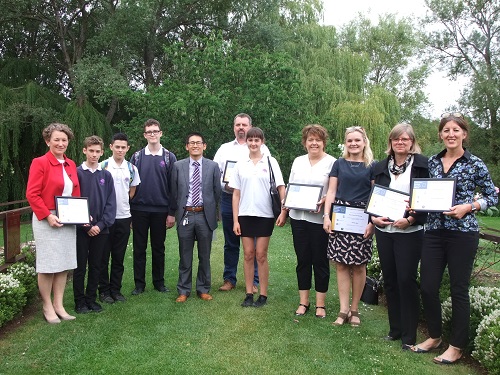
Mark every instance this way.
x=119 y=137
x=245 y=116
x=151 y=122
x=460 y=120
x=315 y=130
x=195 y=134
x=255 y=132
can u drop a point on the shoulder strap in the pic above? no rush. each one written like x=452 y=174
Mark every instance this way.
x=131 y=170
x=104 y=164
x=271 y=173
x=166 y=157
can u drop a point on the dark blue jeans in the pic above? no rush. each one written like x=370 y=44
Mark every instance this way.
x=231 y=242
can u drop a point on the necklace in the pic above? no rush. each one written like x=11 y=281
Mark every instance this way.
x=354 y=164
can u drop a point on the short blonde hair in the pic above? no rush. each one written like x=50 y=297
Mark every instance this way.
x=396 y=133
x=367 y=151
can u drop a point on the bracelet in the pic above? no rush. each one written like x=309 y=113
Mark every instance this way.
x=408 y=220
x=326 y=214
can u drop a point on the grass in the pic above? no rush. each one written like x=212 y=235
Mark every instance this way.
x=150 y=333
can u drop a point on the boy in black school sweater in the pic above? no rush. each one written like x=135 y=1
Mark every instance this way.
x=97 y=185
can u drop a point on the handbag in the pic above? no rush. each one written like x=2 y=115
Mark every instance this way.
x=273 y=191
x=370 y=292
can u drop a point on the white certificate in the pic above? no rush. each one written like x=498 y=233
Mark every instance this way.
x=432 y=194
x=386 y=202
x=303 y=197
x=72 y=210
x=348 y=219
x=228 y=171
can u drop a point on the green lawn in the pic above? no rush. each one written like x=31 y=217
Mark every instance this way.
x=151 y=334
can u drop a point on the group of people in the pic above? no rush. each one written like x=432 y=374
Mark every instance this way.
x=154 y=191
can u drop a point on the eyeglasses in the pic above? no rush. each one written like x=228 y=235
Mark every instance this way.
x=452 y=114
x=152 y=132
x=193 y=143
x=404 y=140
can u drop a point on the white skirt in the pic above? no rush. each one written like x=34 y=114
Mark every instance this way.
x=55 y=247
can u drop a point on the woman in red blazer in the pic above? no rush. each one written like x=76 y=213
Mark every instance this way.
x=51 y=175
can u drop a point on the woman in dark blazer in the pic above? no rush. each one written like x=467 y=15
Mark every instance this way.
x=399 y=241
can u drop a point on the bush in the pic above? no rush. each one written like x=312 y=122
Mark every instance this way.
x=487 y=342
x=26 y=275
x=12 y=297
x=483 y=301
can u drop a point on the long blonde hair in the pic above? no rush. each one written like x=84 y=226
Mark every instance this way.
x=367 y=151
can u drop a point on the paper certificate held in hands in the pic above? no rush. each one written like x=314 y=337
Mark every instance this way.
x=348 y=219
x=72 y=210
x=303 y=197
x=228 y=171
x=386 y=202
x=432 y=194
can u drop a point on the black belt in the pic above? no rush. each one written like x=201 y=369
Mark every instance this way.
x=194 y=208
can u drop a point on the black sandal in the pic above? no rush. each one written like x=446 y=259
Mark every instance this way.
x=307 y=309
x=320 y=316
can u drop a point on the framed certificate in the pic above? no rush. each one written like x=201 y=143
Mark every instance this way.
x=303 y=197
x=432 y=194
x=348 y=219
x=72 y=210
x=386 y=202
x=228 y=170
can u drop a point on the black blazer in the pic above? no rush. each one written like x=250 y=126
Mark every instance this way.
x=419 y=169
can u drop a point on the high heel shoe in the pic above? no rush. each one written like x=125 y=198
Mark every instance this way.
x=66 y=317
x=51 y=321
x=306 y=309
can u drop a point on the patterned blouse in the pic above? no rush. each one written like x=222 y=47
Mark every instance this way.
x=470 y=172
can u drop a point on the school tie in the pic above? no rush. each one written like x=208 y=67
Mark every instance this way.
x=196 y=189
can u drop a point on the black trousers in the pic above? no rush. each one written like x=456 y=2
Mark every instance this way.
x=110 y=281
x=154 y=223
x=310 y=242
x=88 y=250
x=399 y=257
x=457 y=250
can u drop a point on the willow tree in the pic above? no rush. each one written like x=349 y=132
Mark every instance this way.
x=464 y=38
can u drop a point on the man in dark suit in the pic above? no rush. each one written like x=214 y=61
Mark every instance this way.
x=195 y=189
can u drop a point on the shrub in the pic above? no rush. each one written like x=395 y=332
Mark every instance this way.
x=26 y=275
x=12 y=297
x=483 y=301
x=29 y=253
x=487 y=342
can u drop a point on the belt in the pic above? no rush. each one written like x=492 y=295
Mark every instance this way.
x=194 y=208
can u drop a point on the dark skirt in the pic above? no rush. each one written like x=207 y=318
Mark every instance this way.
x=349 y=248
x=254 y=226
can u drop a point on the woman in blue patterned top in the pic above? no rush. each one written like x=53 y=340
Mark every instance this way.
x=452 y=238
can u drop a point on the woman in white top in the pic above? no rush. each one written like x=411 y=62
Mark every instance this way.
x=252 y=211
x=309 y=239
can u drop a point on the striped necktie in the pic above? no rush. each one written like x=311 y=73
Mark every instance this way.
x=196 y=185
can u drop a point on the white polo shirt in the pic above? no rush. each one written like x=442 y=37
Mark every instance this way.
x=253 y=182
x=303 y=172
x=235 y=152
x=121 y=177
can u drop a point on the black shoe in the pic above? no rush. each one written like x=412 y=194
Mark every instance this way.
x=248 y=300
x=406 y=347
x=261 y=301
x=163 y=289
x=118 y=297
x=137 y=291
x=391 y=338
x=82 y=309
x=94 y=306
x=106 y=298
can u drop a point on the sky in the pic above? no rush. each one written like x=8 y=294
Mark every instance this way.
x=441 y=91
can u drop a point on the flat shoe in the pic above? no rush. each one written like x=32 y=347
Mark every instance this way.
x=181 y=298
x=306 y=307
x=342 y=316
x=416 y=349
x=356 y=314
x=320 y=316
x=442 y=361
x=205 y=296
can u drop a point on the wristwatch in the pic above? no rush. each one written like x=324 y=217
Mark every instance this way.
x=474 y=209
x=326 y=215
